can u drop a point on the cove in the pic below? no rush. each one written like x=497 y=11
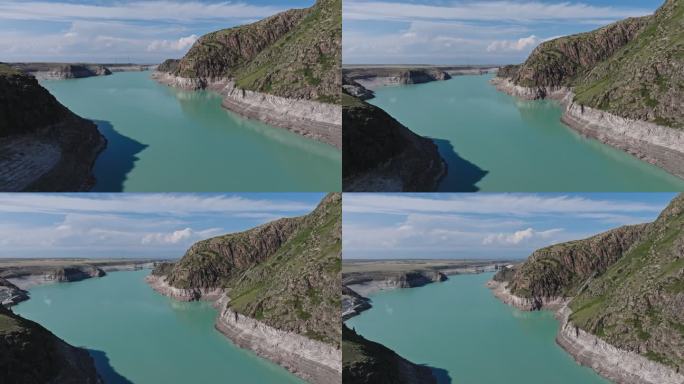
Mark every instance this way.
x=459 y=326
x=495 y=142
x=163 y=139
x=138 y=336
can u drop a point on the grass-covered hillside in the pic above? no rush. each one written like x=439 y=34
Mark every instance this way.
x=627 y=285
x=633 y=68
x=286 y=273
x=295 y=54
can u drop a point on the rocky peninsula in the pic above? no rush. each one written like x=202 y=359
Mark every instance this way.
x=62 y=71
x=45 y=146
x=380 y=154
x=276 y=287
x=618 y=296
x=30 y=353
x=282 y=70
x=617 y=84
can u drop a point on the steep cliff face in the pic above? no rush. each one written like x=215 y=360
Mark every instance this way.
x=626 y=286
x=559 y=270
x=633 y=68
x=169 y=65
x=377 y=76
x=31 y=354
x=353 y=303
x=68 y=274
x=300 y=256
x=366 y=362
x=380 y=154
x=294 y=54
x=46 y=146
x=60 y=71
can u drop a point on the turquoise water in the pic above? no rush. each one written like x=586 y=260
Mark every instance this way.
x=495 y=142
x=459 y=326
x=166 y=139
x=139 y=336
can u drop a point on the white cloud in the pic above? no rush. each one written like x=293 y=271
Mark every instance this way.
x=521 y=44
x=181 y=11
x=518 y=237
x=179 y=236
x=505 y=204
x=181 y=44
x=484 y=10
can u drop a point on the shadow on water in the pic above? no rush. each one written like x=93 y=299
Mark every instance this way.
x=442 y=375
x=117 y=160
x=462 y=175
x=106 y=371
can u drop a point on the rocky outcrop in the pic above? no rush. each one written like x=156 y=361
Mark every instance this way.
x=369 y=282
x=159 y=284
x=61 y=71
x=372 y=77
x=353 y=88
x=69 y=274
x=282 y=281
x=624 y=289
x=30 y=353
x=282 y=70
x=366 y=362
x=45 y=146
x=618 y=365
x=312 y=360
x=380 y=154
x=353 y=303
x=553 y=273
x=10 y=294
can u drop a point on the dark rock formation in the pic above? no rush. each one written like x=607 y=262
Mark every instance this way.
x=396 y=75
x=380 y=154
x=169 y=65
x=31 y=354
x=366 y=362
x=57 y=71
x=353 y=88
x=10 y=294
x=68 y=274
x=29 y=113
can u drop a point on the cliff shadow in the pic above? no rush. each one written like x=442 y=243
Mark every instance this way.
x=105 y=370
x=462 y=175
x=117 y=160
x=441 y=375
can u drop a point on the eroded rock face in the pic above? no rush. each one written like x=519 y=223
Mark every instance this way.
x=169 y=65
x=68 y=274
x=61 y=71
x=30 y=353
x=353 y=303
x=380 y=154
x=28 y=110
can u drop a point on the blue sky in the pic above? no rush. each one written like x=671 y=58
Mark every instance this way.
x=142 y=31
x=469 y=31
x=133 y=225
x=483 y=225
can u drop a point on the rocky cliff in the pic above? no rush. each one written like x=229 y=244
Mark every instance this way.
x=10 y=294
x=633 y=68
x=31 y=354
x=61 y=71
x=292 y=59
x=366 y=362
x=283 y=276
x=625 y=287
x=380 y=76
x=45 y=146
x=380 y=154
x=353 y=303
x=68 y=274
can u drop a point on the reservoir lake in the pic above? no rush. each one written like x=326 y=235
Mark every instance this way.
x=460 y=329
x=136 y=335
x=163 y=139
x=495 y=142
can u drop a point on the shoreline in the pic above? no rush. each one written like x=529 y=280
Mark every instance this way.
x=311 y=119
x=655 y=144
x=613 y=363
x=311 y=360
